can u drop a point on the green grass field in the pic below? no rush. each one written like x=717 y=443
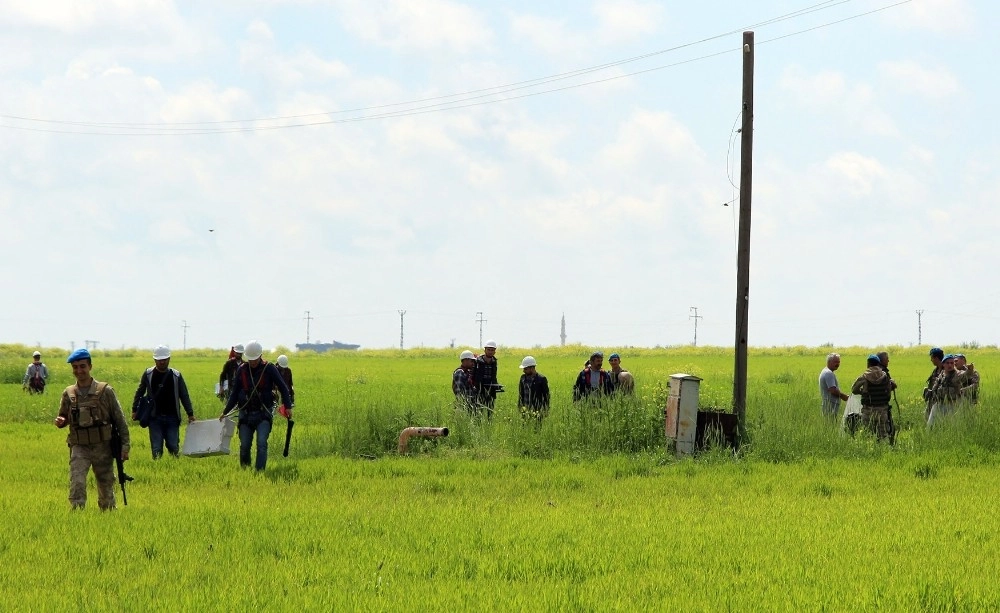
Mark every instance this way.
x=591 y=512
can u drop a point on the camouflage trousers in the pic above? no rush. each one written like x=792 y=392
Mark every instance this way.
x=876 y=419
x=81 y=459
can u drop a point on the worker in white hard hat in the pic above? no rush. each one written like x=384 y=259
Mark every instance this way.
x=166 y=387
x=229 y=372
x=532 y=391
x=253 y=394
x=36 y=376
x=463 y=382
x=486 y=377
x=286 y=375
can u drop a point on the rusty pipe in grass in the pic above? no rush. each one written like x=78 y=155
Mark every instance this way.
x=414 y=431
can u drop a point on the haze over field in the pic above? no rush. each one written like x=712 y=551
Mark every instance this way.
x=134 y=201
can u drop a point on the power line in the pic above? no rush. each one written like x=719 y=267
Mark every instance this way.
x=506 y=87
x=431 y=108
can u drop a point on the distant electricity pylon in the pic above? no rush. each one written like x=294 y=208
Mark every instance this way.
x=401 y=313
x=479 y=318
x=308 y=319
x=695 y=317
x=920 y=313
x=185 y=326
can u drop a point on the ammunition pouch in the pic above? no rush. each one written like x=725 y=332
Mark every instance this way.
x=90 y=436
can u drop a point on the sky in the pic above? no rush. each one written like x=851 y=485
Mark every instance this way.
x=205 y=173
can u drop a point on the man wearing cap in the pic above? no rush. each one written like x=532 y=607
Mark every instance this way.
x=829 y=390
x=229 y=371
x=90 y=408
x=167 y=388
x=253 y=392
x=970 y=376
x=463 y=383
x=532 y=391
x=485 y=368
x=36 y=376
x=593 y=380
x=621 y=379
x=946 y=390
x=936 y=355
x=286 y=375
x=875 y=388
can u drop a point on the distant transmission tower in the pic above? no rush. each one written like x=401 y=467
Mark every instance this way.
x=920 y=313
x=479 y=318
x=308 y=319
x=562 y=333
x=401 y=313
x=695 y=317
x=185 y=326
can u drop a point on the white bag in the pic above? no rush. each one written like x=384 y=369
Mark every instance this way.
x=853 y=407
x=208 y=437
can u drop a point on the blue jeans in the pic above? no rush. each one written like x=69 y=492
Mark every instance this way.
x=164 y=429
x=254 y=423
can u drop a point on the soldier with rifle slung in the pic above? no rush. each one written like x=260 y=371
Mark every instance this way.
x=90 y=408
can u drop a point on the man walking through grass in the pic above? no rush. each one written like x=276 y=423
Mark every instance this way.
x=90 y=409
x=36 y=376
x=829 y=389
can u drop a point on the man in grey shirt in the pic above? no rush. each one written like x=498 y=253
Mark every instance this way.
x=829 y=390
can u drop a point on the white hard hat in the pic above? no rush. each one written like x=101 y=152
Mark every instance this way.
x=253 y=350
x=36 y=355
x=490 y=344
x=467 y=355
x=283 y=361
x=528 y=361
x=162 y=352
x=238 y=348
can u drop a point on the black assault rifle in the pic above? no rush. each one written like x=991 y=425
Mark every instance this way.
x=116 y=451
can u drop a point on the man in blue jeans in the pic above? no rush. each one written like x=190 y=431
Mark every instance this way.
x=169 y=392
x=253 y=393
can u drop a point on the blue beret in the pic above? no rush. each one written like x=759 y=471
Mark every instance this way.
x=948 y=357
x=79 y=354
x=937 y=351
x=613 y=356
x=872 y=356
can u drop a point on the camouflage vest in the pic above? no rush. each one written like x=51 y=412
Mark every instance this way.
x=89 y=418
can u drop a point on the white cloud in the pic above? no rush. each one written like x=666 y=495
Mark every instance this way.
x=625 y=20
x=652 y=136
x=551 y=36
x=855 y=173
x=940 y=16
x=419 y=25
x=260 y=56
x=911 y=77
x=830 y=93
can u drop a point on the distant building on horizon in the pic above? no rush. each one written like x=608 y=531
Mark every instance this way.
x=324 y=347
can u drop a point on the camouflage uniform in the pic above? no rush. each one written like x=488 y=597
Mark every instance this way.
x=927 y=391
x=970 y=383
x=89 y=413
x=945 y=394
x=875 y=388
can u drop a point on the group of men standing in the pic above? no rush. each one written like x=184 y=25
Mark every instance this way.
x=952 y=381
x=475 y=384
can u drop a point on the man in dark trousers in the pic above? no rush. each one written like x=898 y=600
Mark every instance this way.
x=229 y=372
x=532 y=391
x=253 y=394
x=485 y=368
x=169 y=391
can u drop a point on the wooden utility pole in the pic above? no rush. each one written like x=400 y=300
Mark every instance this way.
x=743 y=250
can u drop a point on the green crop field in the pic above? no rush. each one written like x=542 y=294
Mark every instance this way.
x=589 y=512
